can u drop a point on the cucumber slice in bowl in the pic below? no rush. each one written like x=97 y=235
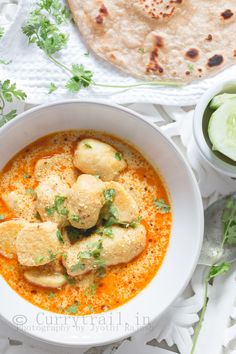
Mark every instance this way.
x=222 y=129
x=218 y=100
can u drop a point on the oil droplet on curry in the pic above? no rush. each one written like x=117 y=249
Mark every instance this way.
x=45 y=190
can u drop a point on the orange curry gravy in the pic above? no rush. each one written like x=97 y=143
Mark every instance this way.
x=120 y=283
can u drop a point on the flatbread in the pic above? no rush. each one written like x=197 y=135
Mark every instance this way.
x=180 y=40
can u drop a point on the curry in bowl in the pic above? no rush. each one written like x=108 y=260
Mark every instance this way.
x=85 y=222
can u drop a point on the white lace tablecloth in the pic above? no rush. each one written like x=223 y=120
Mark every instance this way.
x=173 y=332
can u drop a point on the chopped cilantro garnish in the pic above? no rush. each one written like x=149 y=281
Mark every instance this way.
x=39 y=259
x=52 y=255
x=161 y=206
x=52 y=88
x=109 y=195
x=118 y=156
x=57 y=207
x=74 y=308
x=75 y=218
x=51 y=295
x=59 y=236
x=87 y=146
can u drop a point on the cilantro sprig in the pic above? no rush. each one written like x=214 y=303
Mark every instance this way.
x=161 y=206
x=42 y=29
x=55 y=8
x=8 y=92
x=229 y=238
x=229 y=223
x=1 y=32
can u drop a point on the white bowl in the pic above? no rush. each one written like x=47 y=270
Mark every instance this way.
x=217 y=163
x=186 y=238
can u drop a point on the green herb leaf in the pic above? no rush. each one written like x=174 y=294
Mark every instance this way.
x=81 y=78
x=39 y=259
x=118 y=156
x=57 y=207
x=59 y=236
x=74 y=308
x=52 y=88
x=161 y=206
x=52 y=255
x=214 y=271
x=75 y=218
x=50 y=211
x=77 y=266
x=91 y=290
x=191 y=67
x=1 y=32
x=109 y=195
x=40 y=30
x=141 y=50
x=229 y=222
x=218 y=270
x=2 y=217
x=105 y=231
x=9 y=91
x=88 y=146
x=51 y=295
x=5 y=62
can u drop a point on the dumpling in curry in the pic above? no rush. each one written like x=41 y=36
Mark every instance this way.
x=22 y=203
x=8 y=233
x=97 y=158
x=125 y=205
x=94 y=252
x=51 y=197
x=38 y=244
x=60 y=165
x=85 y=200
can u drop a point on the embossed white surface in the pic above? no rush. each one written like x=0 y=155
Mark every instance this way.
x=173 y=332
x=33 y=72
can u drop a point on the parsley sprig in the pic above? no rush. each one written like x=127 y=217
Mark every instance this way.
x=229 y=238
x=42 y=29
x=8 y=92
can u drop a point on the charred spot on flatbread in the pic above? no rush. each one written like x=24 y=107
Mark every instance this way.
x=227 y=14
x=192 y=54
x=153 y=65
x=209 y=37
x=159 y=41
x=102 y=13
x=234 y=53
x=216 y=60
x=158 y=9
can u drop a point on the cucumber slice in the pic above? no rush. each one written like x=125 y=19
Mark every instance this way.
x=218 y=100
x=222 y=129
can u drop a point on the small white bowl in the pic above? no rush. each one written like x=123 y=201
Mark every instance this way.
x=187 y=230
x=205 y=150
